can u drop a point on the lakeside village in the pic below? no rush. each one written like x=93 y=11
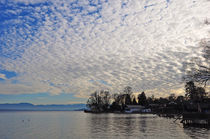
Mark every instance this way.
x=193 y=109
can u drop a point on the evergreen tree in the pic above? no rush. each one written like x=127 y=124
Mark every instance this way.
x=142 y=99
x=134 y=101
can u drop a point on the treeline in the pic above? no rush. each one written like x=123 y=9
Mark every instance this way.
x=104 y=101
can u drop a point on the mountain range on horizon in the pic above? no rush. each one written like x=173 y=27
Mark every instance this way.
x=47 y=107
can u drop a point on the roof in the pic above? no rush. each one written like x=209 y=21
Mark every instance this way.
x=135 y=106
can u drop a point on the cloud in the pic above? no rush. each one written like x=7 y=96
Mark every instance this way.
x=2 y=76
x=63 y=46
x=75 y=102
x=27 y=88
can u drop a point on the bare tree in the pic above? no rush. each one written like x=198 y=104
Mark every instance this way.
x=105 y=98
x=93 y=101
x=199 y=70
x=128 y=90
x=99 y=101
x=127 y=95
x=194 y=93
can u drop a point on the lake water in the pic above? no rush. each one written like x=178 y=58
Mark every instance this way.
x=79 y=125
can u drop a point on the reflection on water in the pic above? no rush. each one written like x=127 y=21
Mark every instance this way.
x=198 y=133
x=133 y=125
x=65 y=125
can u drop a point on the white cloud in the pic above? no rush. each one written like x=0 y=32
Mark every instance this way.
x=121 y=44
x=2 y=76
x=27 y=88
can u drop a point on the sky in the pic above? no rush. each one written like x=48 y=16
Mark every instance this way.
x=60 y=51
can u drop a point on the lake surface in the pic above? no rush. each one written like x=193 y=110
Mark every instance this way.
x=80 y=125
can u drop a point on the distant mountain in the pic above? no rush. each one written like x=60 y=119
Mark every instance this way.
x=31 y=107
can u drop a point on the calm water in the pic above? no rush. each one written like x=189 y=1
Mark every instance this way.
x=76 y=125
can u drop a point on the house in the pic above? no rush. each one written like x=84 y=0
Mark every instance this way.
x=134 y=108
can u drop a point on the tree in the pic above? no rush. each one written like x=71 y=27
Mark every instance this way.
x=199 y=69
x=163 y=100
x=128 y=90
x=99 y=101
x=172 y=97
x=180 y=99
x=118 y=102
x=190 y=90
x=201 y=93
x=117 y=99
x=127 y=99
x=93 y=101
x=105 y=97
x=150 y=100
x=194 y=93
x=134 y=101
x=142 y=99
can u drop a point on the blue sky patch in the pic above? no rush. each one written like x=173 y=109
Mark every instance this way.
x=8 y=74
x=100 y=81
x=18 y=22
x=104 y=82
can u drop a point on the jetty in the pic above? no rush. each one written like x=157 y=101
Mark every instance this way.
x=196 y=119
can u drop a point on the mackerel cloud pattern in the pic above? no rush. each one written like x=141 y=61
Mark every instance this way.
x=78 y=46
